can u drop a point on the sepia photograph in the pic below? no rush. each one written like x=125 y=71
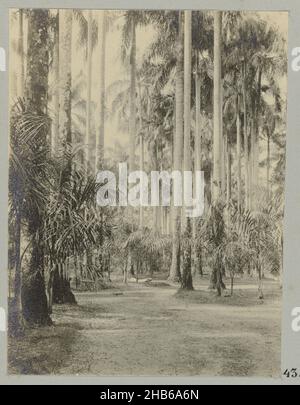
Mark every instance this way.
x=147 y=154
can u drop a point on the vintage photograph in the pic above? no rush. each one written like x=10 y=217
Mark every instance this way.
x=146 y=192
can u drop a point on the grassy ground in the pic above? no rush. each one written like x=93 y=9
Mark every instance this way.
x=154 y=330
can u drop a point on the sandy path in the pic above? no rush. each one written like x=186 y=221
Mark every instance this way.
x=147 y=331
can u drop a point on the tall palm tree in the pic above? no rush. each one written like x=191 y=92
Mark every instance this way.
x=88 y=135
x=62 y=71
x=21 y=53
x=186 y=279
x=56 y=90
x=178 y=147
x=102 y=30
x=238 y=153
x=133 y=19
x=65 y=78
x=269 y=130
x=217 y=209
x=197 y=153
x=132 y=120
x=246 y=134
x=217 y=105
x=34 y=300
x=141 y=141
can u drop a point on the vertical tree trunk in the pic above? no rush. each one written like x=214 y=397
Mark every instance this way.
x=223 y=150
x=268 y=165
x=132 y=121
x=18 y=275
x=155 y=165
x=178 y=146
x=141 y=136
x=217 y=131
x=251 y=164
x=100 y=138
x=161 y=168
x=15 y=313
x=34 y=299
x=89 y=165
x=186 y=278
x=187 y=89
x=88 y=135
x=56 y=92
x=216 y=275
x=198 y=119
x=238 y=153
x=21 y=53
x=256 y=139
x=228 y=182
x=65 y=76
x=197 y=159
x=61 y=292
x=246 y=153
x=171 y=211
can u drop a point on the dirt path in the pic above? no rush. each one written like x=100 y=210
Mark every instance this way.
x=144 y=330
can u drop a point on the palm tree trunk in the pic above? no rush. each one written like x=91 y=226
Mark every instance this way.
x=34 y=299
x=161 y=208
x=238 y=152
x=56 y=68
x=197 y=157
x=246 y=153
x=171 y=212
x=186 y=278
x=251 y=164
x=178 y=146
x=228 y=182
x=18 y=276
x=187 y=90
x=216 y=275
x=60 y=288
x=132 y=122
x=268 y=165
x=256 y=139
x=21 y=53
x=100 y=137
x=217 y=106
x=223 y=150
x=198 y=122
x=15 y=315
x=141 y=136
x=88 y=135
x=156 y=210
x=65 y=76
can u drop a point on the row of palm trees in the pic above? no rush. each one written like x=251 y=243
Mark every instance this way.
x=196 y=101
